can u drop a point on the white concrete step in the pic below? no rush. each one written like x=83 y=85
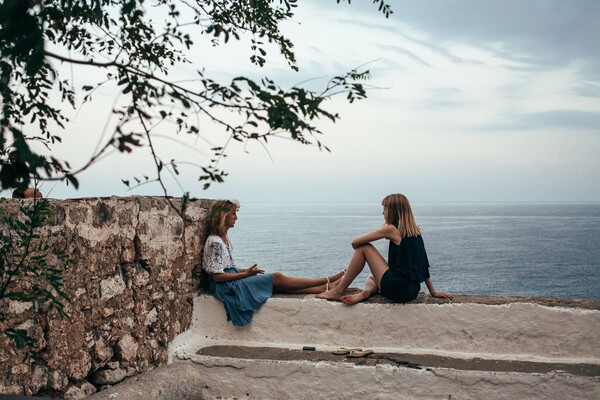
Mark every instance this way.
x=513 y=330
x=556 y=340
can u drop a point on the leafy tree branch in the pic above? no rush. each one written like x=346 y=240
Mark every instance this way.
x=138 y=42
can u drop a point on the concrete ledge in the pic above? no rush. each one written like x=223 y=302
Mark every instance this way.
x=473 y=348
x=207 y=377
x=235 y=378
x=422 y=298
x=488 y=328
x=420 y=361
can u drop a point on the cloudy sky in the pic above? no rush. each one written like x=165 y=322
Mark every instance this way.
x=472 y=101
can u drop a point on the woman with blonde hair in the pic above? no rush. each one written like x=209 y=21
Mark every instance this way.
x=399 y=279
x=244 y=291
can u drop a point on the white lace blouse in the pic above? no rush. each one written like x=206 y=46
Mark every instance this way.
x=217 y=255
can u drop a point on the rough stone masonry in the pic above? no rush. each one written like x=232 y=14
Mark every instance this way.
x=131 y=285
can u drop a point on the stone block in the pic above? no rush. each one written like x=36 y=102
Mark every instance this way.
x=128 y=253
x=79 y=390
x=79 y=365
x=113 y=365
x=107 y=311
x=112 y=286
x=57 y=380
x=140 y=277
x=19 y=369
x=102 y=353
x=127 y=348
x=39 y=378
x=10 y=389
x=127 y=322
x=151 y=317
x=19 y=307
x=110 y=376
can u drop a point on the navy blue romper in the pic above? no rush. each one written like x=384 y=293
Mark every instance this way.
x=408 y=268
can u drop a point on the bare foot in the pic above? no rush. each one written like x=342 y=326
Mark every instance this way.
x=355 y=298
x=331 y=294
x=350 y=290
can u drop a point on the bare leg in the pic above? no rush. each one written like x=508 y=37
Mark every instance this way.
x=316 y=289
x=363 y=254
x=369 y=289
x=292 y=284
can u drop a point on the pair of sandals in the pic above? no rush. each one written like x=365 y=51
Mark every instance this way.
x=352 y=352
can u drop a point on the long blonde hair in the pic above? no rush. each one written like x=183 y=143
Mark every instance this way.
x=399 y=213
x=218 y=212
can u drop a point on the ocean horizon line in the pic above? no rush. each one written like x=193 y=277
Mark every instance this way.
x=474 y=202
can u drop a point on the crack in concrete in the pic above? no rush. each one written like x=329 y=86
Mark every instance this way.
x=213 y=365
x=396 y=361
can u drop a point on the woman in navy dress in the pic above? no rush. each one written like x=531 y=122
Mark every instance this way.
x=399 y=279
x=243 y=291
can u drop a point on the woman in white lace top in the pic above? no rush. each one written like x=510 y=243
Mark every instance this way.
x=243 y=291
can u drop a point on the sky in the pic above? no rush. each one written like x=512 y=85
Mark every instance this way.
x=469 y=101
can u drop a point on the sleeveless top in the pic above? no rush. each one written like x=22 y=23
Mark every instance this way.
x=409 y=259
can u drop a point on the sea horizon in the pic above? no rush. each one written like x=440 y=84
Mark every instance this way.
x=498 y=248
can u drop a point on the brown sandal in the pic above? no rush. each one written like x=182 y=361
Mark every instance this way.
x=359 y=353
x=342 y=351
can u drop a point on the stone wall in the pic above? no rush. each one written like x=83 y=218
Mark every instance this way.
x=131 y=285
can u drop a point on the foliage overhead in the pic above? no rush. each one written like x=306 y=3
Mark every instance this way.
x=137 y=43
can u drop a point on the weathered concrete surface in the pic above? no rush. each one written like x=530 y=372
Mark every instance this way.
x=235 y=378
x=510 y=331
x=416 y=361
x=178 y=381
x=135 y=274
x=225 y=372
x=492 y=348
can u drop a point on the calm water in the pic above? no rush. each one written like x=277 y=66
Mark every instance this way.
x=494 y=249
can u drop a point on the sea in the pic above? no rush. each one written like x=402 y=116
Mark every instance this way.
x=514 y=249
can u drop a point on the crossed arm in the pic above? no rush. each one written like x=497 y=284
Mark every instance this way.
x=392 y=233
x=389 y=232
